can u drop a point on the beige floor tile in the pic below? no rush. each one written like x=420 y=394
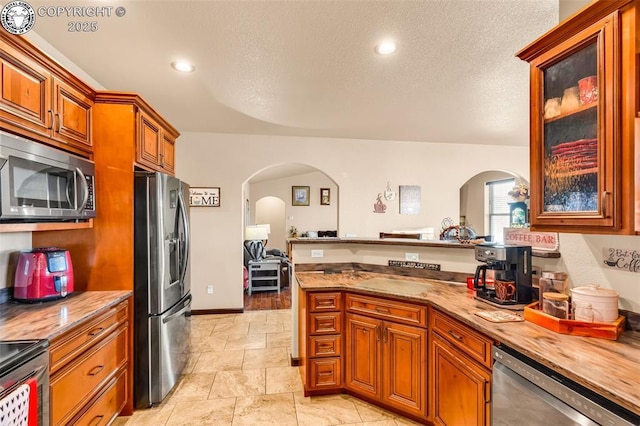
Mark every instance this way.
x=277 y=410
x=371 y=413
x=193 y=387
x=279 y=340
x=238 y=383
x=208 y=343
x=214 y=412
x=287 y=326
x=279 y=316
x=238 y=342
x=229 y=328
x=325 y=410
x=193 y=359
x=283 y=379
x=210 y=362
x=265 y=358
x=252 y=316
x=151 y=416
x=258 y=327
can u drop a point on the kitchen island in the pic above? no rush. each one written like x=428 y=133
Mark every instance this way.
x=609 y=368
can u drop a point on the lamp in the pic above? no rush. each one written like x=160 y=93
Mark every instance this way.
x=256 y=232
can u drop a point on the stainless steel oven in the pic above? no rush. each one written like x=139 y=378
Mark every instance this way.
x=24 y=364
x=525 y=392
x=41 y=183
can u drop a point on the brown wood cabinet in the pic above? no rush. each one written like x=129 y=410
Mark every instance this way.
x=89 y=367
x=585 y=167
x=460 y=373
x=41 y=100
x=155 y=147
x=385 y=360
x=323 y=326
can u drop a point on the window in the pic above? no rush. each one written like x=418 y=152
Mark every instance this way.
x=498 y=214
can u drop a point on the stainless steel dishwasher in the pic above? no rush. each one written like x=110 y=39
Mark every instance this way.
x=527 y=393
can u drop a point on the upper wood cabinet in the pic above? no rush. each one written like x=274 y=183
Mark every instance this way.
x=156 y=144
x=584 y=104
x=41 y=100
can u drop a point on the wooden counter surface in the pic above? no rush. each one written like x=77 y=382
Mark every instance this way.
x=46 y=320
x=609 y=368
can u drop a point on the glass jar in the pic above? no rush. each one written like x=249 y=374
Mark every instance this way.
x=555 y=304
x=582 y=311
x=553 y=282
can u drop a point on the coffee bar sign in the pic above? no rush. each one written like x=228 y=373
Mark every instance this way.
x=621 y=259
x=537 y=240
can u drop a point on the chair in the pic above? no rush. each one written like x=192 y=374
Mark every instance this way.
x=268 y=269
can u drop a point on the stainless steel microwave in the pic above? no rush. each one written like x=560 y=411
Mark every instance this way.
x=40 y=183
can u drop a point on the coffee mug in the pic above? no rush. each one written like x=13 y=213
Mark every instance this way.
x=505 y=289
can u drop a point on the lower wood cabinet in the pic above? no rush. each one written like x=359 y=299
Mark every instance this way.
x=460 y=373
x=386 y=362
x=89 y=364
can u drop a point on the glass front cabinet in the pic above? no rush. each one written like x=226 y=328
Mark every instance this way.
x=584 y=108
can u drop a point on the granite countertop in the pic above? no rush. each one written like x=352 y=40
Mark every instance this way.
x=609 y=368
x=48 y=320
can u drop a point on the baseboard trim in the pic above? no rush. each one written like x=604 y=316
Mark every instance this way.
x=295 y=362
x=216 y=311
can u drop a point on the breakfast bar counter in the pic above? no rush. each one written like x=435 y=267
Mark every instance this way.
x=609 y=368
x=47 y=320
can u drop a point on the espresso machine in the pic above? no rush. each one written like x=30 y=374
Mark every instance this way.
x=511 y=265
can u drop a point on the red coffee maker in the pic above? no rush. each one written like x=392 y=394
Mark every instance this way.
x=43 y=274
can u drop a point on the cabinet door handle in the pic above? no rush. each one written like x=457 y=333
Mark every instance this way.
x=58 y=118
x=455 y=336
x=604 y=200
x=377 y=333
x=96 y=420
x=50 y=119
x=96 y=331
x=385 y=332
x=95 y=370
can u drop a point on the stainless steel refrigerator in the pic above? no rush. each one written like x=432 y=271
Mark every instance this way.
x=162 y=291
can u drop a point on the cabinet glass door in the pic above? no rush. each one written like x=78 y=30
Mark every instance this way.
x=572 y=149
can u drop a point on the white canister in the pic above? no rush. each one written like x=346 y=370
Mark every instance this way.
x=603 y=301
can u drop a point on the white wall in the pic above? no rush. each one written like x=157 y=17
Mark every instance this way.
x=9 y=243
x=361 y=170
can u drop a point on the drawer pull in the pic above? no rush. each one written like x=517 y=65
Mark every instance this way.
x=96 y=420
x=324 y=345
x=95 y=370
x=96 y=331
x=455 y=336
x=383 y=310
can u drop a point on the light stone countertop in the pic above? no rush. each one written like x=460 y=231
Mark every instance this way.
x=46 y=320
x=609 y=368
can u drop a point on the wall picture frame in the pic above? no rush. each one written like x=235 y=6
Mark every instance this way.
x=325 y=196
x=300 y=195
x=204 y=196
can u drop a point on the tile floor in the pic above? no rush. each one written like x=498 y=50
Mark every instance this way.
x=239 y=374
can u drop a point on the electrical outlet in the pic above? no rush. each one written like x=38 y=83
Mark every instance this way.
x=412 y=257
x=209 y=289
x=317 y=253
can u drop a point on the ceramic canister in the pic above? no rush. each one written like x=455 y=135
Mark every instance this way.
x=603 y=301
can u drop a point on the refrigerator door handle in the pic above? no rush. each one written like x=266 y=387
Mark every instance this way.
x=187 y=237
x=185 y=308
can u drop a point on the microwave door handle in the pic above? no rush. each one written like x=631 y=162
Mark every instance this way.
x=187 y=237
x=85 y=190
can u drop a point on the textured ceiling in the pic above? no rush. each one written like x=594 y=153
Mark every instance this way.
x=307 y=68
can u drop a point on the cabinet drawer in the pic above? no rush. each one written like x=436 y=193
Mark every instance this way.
x=319 y=302
x=325 y=323
x=325 y=373
x=474 y=344
x=325 y=346
x=388 y=309
x=73 y=386
x=107 y=406
x=72 y=344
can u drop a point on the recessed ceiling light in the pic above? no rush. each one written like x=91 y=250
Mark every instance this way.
x=385 y=48
x=182 y=66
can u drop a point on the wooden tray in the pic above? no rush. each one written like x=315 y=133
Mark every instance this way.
x=602 y=330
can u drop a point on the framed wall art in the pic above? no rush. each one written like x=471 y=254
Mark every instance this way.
x=299 y=195
x=204 y=197
x=409 y=199
x=325 y=196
